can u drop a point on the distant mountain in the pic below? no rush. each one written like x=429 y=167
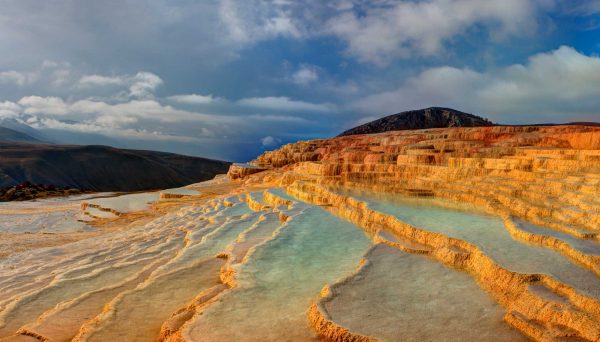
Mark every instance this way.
x=7 y=134
x=19 y=126
x=433 y=117
x=101 y=168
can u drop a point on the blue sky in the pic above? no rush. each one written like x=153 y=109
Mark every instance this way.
x=229 y=79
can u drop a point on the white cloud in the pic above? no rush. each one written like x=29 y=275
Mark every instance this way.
x=9 y=109
x=285 y=104
x=560 y=85
x=55 y=74
x=255 y=20
x=270 y=141
x=305 y=75
x=144 y=84
x=93 y=127
x=194 y=99
x=17 y=77
x=143 y=119
x=44 y=105
x=141 y=85
x=100 y=80
x=115 y=114
x=396 y=29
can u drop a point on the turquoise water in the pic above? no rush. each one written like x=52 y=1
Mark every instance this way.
x=235 y=210
x=490 y=234
x=585 y=246
x=282 y=279
x=281 y=193
x=408 y=297
x=215 y=240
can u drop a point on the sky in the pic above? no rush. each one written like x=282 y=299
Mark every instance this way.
x=229 y=79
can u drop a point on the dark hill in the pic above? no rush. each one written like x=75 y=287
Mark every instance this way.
x=433 y=117
x=7 y=134
x=101 y=168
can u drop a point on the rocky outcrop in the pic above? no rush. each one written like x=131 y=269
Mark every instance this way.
x=433 y=117
x=242 y=170
x=27 y=191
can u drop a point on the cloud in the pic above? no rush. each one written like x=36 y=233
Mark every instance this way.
x=144 y=84
x=561 y=85
x=141 y=85
x=285 y=104
x=305 y=75
x=585 y=7
x=54 y=74
x=269 y=141
x=99 y=80
x=93 y=127
x=400 y=29
x=277 y=118
x=115 y=115
x=44 y=105
x=16 y=77
x=255 y=20
x=9 y=109
x=194 y=99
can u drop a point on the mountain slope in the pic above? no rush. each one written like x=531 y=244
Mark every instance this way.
x=20 y=126
x=101 y=168
x=433 y=117
x=7 y=134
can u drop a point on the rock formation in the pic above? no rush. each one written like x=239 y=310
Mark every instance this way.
x=433 y=117
x=27 y=191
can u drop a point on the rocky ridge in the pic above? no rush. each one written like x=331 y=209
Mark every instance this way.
x=433 y=117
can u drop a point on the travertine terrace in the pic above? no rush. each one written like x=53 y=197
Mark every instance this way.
x=441 y=234
x=546 y=175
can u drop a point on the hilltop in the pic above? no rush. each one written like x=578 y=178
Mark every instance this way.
x=432 y=117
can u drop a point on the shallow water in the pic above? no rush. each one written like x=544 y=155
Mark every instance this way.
x=281 y=193
x=282 y=279
x=48 y=215
x=216 y=239
x=489 y=233
x=181 y=191
x=43 y=222
x=138 y=201
x=236 y=210
x=586 y=246
x=140 y=313
x=127 y=203
x=408 y=297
